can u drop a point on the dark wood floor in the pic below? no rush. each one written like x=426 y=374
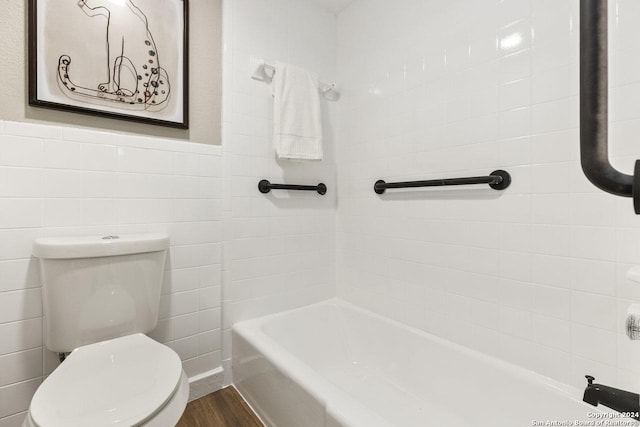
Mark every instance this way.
x=224 y=408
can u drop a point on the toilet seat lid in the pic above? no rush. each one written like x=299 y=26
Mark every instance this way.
x=120 y=382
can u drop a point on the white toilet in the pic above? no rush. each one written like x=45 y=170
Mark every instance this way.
x=100 y=295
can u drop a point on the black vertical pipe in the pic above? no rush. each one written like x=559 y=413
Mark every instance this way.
x=594 y=148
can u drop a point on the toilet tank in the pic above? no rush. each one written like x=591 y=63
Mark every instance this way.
x=99 y=287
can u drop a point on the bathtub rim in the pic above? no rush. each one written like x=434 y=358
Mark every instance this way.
x=342 y=405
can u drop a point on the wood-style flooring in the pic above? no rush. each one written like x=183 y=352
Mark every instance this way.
x=224 y=408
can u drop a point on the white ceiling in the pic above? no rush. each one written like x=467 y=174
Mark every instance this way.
x=335 y=6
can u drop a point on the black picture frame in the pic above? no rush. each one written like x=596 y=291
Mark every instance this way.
x=107 y=99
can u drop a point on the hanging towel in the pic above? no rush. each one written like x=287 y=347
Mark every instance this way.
x=297 y=125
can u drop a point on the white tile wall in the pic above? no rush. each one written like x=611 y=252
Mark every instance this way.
x=279 y=248
x=58 y=181
x=535 y=274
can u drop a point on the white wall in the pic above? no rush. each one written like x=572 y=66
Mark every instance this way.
x=279 y=248
x=534 y=274
x=430 y=89
x=59 y=181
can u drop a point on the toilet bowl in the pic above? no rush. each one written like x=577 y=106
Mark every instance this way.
x=127 y=381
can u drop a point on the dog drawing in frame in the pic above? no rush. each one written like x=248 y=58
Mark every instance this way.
x=135 y=79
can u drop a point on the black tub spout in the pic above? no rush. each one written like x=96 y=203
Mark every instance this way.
x=616 y=399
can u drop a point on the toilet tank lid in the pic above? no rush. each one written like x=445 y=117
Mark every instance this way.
x=99 y=246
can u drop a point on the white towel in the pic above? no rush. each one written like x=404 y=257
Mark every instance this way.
x=297 y=124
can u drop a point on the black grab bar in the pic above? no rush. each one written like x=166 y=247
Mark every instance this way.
x=265 y=186
x=594 y=80
x=498 y=180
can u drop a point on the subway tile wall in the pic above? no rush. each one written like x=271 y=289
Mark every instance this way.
x=60 y=181
x=534 y=274
x=280 y=247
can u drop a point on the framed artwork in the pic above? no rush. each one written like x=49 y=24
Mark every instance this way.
x=125 y=59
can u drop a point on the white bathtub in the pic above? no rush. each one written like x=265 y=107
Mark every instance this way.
x=333 y=364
